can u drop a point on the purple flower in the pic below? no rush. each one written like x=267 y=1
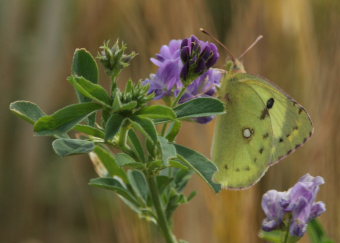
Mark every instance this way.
x=197 y=57
x=273 y=210
x=298 y=203
x=189 y=61
x=204 y=86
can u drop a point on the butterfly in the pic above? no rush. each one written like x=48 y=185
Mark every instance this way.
x=262 y=125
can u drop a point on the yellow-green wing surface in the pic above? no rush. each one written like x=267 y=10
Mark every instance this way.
x=262 y=125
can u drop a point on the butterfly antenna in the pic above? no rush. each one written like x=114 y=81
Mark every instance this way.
x=251 y=46
x=220 y=43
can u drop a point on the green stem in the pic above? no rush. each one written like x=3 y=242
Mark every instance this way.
x=161 y=219
x=123 y=135
x=179 y=96
x=164 y=128
x=287 y=232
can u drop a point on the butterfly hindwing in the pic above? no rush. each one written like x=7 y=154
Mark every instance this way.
x=261 y=126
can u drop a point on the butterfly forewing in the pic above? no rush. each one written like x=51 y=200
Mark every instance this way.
x=262 y=125
x=290 y=122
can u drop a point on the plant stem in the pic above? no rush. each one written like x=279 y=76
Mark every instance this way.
x=179 y=97
x=287 y=233
x=161 y=219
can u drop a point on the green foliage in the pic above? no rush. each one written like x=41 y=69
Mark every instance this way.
x=110 y=163
x=200 y=164
x=114 y=58
x=168 y=150
x=150 y=172
x=66 y=146
x=146 y=126
x=90 y=90
x=157 y=112
x=278 y=236
x=84 y=65
x=199 y=107
x=113 y=125
x=26 y=110
x=316 y=233
x=92 y=131
x=64 y=119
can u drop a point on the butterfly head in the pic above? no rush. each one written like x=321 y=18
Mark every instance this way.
x=235 y=66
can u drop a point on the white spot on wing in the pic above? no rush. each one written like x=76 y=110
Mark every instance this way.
x=247 y=133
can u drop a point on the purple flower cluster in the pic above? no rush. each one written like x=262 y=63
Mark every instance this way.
x=186 y=63
x=197 y=56
x=298 y=203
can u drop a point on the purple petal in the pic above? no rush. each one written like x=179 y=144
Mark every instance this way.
x=298 y=228
x=184 y=43
x=318 y=208
x=200 y=68
x=185 y=71
x=270 y=224
x=185 y=52
x=204 y=119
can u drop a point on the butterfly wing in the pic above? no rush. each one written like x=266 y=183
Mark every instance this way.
x=262 y=125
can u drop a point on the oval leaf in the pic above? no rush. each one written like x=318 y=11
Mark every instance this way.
x=199 y=107
x=64 y=119
x=65 y=146
x=110 y=163
x=200 y=164
x=114 y=185
x=146 y=126
x=26 y=110
x=93 y=91
x=157 y=112
x=92 y=131
x=113 y=125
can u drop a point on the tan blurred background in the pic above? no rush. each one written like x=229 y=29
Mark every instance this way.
x=46 y=199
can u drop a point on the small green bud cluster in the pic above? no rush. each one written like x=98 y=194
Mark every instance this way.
x=114 y=58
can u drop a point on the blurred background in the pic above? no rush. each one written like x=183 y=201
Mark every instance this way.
x=46 y=199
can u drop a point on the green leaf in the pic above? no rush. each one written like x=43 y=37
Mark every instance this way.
x=113 y=125
x=174 y=130
x=182 y=178
x=274 y=236
x=117 y=104
x=146 y=126
x=199 y=107
x=26 y=110
x=128 y=106
x=110 y=163
x=136 y=144
x=163 y=182
x=93 y=91
x=316 y=232
x=138 y=182
x=65 y=146
x=64 y=119
x=168 y=150
x=115 y=185
x=177 y=164
x=157 y=112
x=92 y=131
x=278 y=236
x=124 y=159
x=200 y=164
x=84 y=65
